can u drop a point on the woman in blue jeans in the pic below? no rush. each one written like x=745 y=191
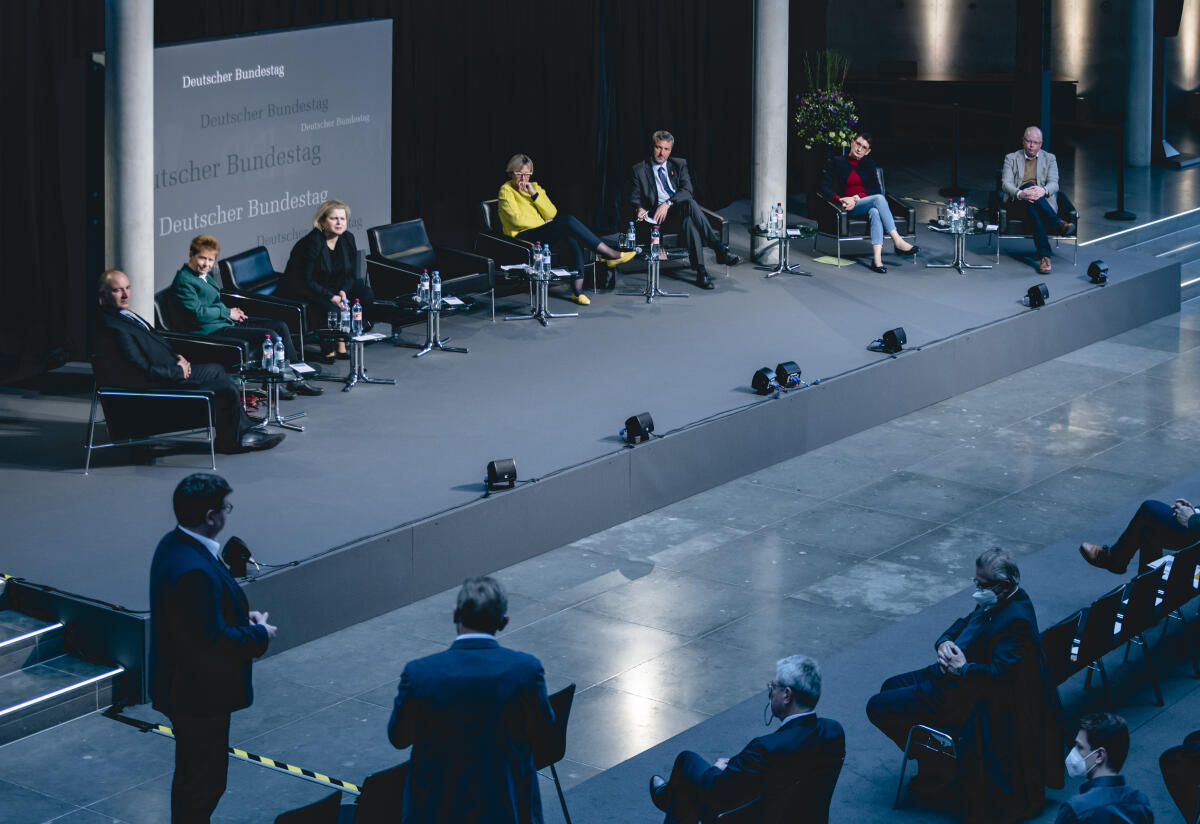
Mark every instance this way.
x=852 y=182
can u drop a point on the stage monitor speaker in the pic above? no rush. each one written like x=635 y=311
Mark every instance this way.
x=638 y=428
x=894 y=340
x=1098 y=271
x=1037 y=295
x=501 y=474
x=763 y=381
x=787 y=374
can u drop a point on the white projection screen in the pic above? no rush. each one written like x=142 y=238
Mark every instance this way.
x=252 y=133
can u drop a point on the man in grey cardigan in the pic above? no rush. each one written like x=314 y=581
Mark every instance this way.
x=1030 y=182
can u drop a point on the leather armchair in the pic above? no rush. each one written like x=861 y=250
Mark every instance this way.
x=171 y=317
x=250 y=272
x=1014 y=227
x=834 y=221
x=505 y=250
x=400 y=251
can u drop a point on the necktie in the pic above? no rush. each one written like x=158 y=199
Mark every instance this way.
x=662 y=178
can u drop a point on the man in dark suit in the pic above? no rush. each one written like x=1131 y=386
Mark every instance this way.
x=478 y=718
x=662 y=192
x=989 y=686
x=134 y=356
x=1155 y=526
x=203 y=636
x=805 y=749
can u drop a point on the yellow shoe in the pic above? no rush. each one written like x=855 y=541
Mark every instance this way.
x=582 y=300
x=624 y=258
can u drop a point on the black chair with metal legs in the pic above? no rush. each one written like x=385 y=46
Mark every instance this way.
x=943 y=743
x=834 y=221
x=382 y=796
x=505 y=250
x=1098 y=637
x=1138 y=614
x=324 y=811
x=400 y=251
x=1056 y=646
x=1181 y=586
x=560 y=702
x=805 y=799
x=1011 y=226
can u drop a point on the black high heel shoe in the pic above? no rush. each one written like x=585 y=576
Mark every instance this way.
x=909 y=252
x=879 y=270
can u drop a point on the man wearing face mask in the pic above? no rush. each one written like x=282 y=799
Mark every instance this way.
x=989 y=687
x=804 y=747
x=1099 y=751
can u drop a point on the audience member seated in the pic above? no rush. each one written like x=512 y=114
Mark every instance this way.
x=662 y=194
x=322 y=269
x=1099 y=752
x=852 y=183
x=1181 y=773
x=1030 y=181
x=1156 y=526
x=139 y=358
x=526 y=213
x=989 y=678
x=201 y=302
x=768 y=766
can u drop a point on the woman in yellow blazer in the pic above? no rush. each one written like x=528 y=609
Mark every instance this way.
x=526 y=213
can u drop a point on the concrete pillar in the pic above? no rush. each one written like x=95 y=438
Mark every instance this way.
x=768 y=166
x=129 y=146
x=1139 y=101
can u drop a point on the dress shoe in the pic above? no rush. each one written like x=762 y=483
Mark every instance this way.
x=658 y=792
x=303 y=387
x=909 y=252
x=257 y=441
x=703 y=281
x=879 y=270
x=1044 y=266
x=1099 y=556
x=728 y=258
x=1066 y=228
x=623 y=258
x=581 y=299
x=342 y=356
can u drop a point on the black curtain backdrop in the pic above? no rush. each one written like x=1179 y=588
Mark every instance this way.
x=578 y=86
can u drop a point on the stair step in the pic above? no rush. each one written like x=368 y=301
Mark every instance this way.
x=50 y=692
x=25 y=641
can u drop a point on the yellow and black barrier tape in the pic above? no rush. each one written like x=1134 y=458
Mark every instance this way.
x=923 y=200
x=262 y=760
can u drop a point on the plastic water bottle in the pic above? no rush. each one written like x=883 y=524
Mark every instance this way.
x=654 y=242
x=537 y=260
x=344 y=319
x=435 y=287
x=546 y=262
x=356 y=320
x=423 y=288
x=268 y=354
x=280 y=361
x=631 y=237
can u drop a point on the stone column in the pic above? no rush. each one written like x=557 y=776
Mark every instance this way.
x=1139 y=99
x=768 y=167
x=129 y=146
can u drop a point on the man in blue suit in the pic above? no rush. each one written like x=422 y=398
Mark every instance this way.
x=203 y=637
x=477 y=718
x=793 y=770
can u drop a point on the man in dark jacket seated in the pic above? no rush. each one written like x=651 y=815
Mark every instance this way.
x=1155 y=526
x=804 y=746
x=136 y=357
x=990 y=688
x=1100 y=749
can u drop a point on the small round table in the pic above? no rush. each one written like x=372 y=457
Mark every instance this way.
x=784 y=243
x=959 y=228
x=653 y=264
x=433 y=328
x=540 y=310
x=358 y=367
x=273 y=381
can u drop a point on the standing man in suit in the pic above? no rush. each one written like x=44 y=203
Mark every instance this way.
x=478 y=719
x=662 y=191
x=804 y=747
x=203 y=636
x=990 y=687
x=206 y=314
x=1030 y=181
x=133 y=356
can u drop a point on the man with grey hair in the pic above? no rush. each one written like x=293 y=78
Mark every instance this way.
x=790 y=773
x=990 y=689
x=477 y=718
x=1030 y=181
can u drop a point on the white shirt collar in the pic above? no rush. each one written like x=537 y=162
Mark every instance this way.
x=208 y=543
x=797 y=715
x=476 y=635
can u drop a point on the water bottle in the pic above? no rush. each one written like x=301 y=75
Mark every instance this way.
x=268 y=354
x=435 y=287
x=546 y=262
x=780 y=220
x=654 y=246
x=423 y=288
x=631 y=237
x=537 y=261
x=356 y=323
x=280 y=361
x=344 y=320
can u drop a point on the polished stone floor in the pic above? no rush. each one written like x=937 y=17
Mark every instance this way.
x=669 y=619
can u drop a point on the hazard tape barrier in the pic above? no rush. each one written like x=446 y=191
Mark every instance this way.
x=291 y=769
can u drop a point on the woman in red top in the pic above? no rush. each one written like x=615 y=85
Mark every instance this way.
x=851 y=182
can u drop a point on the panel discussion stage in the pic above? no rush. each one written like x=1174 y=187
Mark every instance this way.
x=379 y=502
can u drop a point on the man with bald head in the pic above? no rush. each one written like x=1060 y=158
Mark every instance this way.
x=133 y=356
x=1030 y=182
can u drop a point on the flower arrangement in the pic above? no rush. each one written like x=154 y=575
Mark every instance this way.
x=825 y=116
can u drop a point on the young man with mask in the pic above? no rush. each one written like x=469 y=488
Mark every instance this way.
x=990 y=689
x=1099 y=752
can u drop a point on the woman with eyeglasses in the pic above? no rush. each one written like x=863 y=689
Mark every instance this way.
x=526 y=213
x=851 y=182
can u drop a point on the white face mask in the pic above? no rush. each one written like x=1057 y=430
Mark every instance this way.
x=1077 y=764
x=985 y=598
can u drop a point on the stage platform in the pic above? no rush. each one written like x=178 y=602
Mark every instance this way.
x=380 y=501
